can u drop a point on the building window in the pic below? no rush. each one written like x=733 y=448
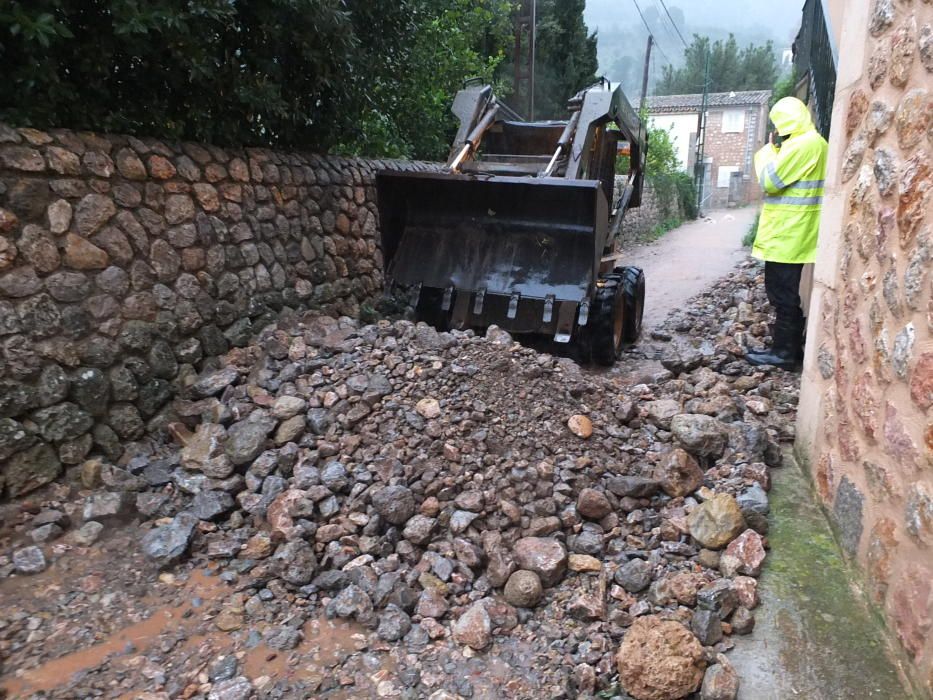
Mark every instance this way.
x=725 y=173
x=733 y=121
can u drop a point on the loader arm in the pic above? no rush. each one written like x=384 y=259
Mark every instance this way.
x=513 y=229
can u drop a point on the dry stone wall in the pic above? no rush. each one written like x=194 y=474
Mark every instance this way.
x=641 y=220
x=125 y=263
x=866 y=411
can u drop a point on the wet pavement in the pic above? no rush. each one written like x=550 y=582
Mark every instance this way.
x=815 y=636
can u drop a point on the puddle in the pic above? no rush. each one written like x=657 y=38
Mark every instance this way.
x=326 y=645
x=131 y=640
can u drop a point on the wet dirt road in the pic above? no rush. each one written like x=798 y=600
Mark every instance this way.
x=687 y=260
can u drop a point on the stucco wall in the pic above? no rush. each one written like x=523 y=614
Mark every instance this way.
x=681 y=128
x=126 y=264
x=867 y=398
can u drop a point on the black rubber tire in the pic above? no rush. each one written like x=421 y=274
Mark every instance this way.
x=633 y=283
x=429 y=309
x=606 y=323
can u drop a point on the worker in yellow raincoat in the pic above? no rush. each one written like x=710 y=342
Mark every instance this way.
x=792 y=175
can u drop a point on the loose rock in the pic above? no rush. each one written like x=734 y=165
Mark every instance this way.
x=660 y=660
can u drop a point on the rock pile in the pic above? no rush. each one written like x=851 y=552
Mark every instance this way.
x=435 y=489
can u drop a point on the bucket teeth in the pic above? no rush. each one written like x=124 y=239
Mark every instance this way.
x=584 y=313
x=415 y=295
x=548 y=309
x=478 y=302
x=513 y=305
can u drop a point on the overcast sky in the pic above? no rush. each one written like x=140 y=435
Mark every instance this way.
x=779 y=18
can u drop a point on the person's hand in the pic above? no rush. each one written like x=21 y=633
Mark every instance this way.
x=771 y=138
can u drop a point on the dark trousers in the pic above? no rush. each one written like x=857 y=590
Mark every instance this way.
x=782 y=284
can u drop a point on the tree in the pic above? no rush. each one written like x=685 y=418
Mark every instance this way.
x=752 y=68
x=307 y=73
x=211 y=70
x=406 y=110
x=565 y=56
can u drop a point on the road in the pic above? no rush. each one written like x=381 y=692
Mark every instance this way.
x=685 y=261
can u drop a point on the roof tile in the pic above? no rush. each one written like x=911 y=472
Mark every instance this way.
x=661 y=104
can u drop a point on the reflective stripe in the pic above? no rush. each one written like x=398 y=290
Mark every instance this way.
x=809 y=184
x=796 y=201
x=772 y=171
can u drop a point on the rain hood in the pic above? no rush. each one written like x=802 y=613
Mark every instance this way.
x=791 y=117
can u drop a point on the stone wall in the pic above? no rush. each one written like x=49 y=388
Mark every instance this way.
x=639 y=221
x=124 y=263
x=867 y=400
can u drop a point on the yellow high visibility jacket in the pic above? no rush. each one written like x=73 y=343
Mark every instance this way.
x=792 y=177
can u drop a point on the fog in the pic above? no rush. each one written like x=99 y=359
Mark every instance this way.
x=776 y=20
x=622 y=34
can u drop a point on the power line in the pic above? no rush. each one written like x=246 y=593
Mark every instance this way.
x=645 y=22
x=674 y=24
x=667 y=30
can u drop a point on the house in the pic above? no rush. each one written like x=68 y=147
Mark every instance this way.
x=736 y=127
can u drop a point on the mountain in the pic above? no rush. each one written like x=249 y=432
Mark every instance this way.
x=622 y=35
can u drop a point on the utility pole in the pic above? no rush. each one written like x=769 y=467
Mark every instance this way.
x=524 y=55
x=699 y=168
x=534 y=39
x=644 y=77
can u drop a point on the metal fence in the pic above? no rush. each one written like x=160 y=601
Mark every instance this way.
x=815 y=60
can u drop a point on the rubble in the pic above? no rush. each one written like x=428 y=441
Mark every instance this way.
x=660 y=660
x=456 y=498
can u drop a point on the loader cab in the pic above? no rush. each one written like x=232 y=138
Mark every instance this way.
x=514 y=228
x=516 y=148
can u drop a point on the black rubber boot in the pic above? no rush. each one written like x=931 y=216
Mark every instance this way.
x=785 y=346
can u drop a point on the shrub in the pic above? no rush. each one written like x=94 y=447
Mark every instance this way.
x=749 y=240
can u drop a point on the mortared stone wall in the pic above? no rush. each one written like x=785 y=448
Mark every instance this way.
x=866 y=410
x=126 y=263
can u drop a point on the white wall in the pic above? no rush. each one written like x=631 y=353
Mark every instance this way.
x=681 y=126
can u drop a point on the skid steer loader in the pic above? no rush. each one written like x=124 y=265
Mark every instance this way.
x=518 y=229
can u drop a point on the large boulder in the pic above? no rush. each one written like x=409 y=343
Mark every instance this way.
x=523 y=589
x=395 y=504
x=474 y=627
x=660 y=412
x=678 y=473
x=166 y=544
x=660 y=660
x=246 y=439
x=204 y=452
x=744 y=555
x=545 y=556
x=701 y=435
x=716 y=522
x=721 y=681
x=593 y=504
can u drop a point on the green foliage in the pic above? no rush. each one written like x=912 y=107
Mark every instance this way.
x=673 y=186
x=687 y=195
x=407 y=113
x=211 y=70
x=662 y=157
x=376 y=77
x=731 y=68
x=660 y=229
x=749 y=239
x=784 y=87
x=565 y=57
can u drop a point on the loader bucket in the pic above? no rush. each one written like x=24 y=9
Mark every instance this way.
x=524 y=240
